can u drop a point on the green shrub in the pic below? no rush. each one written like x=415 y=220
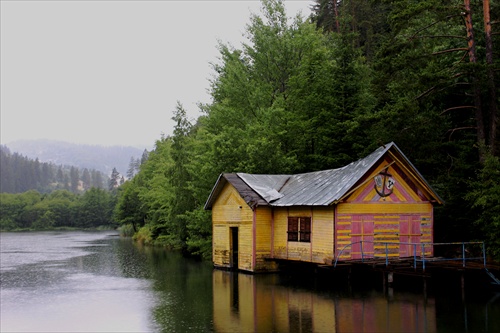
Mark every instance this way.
x=126 y=230
x=143 y=236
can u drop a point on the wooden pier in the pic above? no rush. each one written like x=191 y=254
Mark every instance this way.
x=469 y=260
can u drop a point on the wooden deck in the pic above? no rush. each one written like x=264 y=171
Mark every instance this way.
x=465 y=262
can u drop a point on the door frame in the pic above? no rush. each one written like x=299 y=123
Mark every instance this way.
x=234 y=247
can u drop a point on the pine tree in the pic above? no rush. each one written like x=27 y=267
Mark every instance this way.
x=144 y=158
x=86 y=179
x=131 y=171
x=74 y=179
x=114 y=179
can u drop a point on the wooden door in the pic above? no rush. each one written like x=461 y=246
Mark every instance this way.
x=362 y=236
x=234 y=248
x=409 y=236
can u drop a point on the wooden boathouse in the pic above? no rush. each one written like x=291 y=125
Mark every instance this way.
x=377 y=207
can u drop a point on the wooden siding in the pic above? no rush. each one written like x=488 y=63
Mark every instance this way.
x=230 y=210
x=263 y=239
x=319 y=249
x=322 y=235
x=280 y=249
x=387 y=225
x=384 y=224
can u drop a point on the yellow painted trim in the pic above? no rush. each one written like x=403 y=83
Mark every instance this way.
x=377 y=208
x=406 y=187
x=370 y=196
x=416 y=177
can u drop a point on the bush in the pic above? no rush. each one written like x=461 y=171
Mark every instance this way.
x=143 y=236
x=127 y=230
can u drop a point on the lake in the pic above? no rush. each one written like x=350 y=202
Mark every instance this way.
x=100 y=282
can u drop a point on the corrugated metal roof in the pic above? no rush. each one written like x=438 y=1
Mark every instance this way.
x=246 y=192
x=319 y=188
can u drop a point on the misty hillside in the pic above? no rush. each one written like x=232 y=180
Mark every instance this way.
x=100 y=158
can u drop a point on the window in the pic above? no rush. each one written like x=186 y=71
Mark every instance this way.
x=299 y=229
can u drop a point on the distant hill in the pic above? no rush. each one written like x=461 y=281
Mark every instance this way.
x=100 y=158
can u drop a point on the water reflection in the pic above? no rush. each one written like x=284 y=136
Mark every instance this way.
x=99 y=282
x=256 y=303
x=183 y=291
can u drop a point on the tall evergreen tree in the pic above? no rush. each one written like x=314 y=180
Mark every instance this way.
x=114 y=180
x=144 y=158
x=97 y=179
x=86 y=179
x=74 y=176
x=131 y=168
x=179 y=176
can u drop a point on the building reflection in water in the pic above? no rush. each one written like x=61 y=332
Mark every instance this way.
x=258 y=303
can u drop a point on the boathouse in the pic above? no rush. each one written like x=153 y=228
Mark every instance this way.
x=377 y=206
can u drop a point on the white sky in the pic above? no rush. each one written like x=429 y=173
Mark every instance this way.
x=111 y=72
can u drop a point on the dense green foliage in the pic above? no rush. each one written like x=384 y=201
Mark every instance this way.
x=59 y=209
x=317 y=93
x=20 y=174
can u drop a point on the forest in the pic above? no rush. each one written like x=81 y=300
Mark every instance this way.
x=59 y=209
x=312 y=93
x=19 y=174
x=37 y=195
x=318 y=92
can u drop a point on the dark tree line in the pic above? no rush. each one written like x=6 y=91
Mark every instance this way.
x=318 y=93
x=20 y=174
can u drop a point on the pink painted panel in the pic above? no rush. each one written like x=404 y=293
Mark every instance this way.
x=356 y=236
x=409 y=235
x=362 y=228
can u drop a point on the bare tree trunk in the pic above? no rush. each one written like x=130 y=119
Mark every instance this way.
x=493 y=110
x=481 y=135
x=336 y=11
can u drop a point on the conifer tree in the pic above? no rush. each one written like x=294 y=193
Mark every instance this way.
x=114 y=180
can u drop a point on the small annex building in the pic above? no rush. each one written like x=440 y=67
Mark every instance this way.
x=381 y=200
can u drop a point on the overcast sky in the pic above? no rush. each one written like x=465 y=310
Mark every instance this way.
x=111 y=72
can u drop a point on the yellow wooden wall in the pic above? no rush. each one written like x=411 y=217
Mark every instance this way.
x=263 y=239
x=230 y=210
x=320 y=249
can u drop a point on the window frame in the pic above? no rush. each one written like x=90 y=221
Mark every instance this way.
x=299 y=229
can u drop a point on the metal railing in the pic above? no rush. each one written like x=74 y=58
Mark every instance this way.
x=421 y=258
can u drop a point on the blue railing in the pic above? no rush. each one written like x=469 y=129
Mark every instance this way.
x=422 y=257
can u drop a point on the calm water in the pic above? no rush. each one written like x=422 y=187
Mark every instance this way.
x=99 y=282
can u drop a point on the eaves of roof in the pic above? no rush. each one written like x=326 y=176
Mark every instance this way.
x=320 y=188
